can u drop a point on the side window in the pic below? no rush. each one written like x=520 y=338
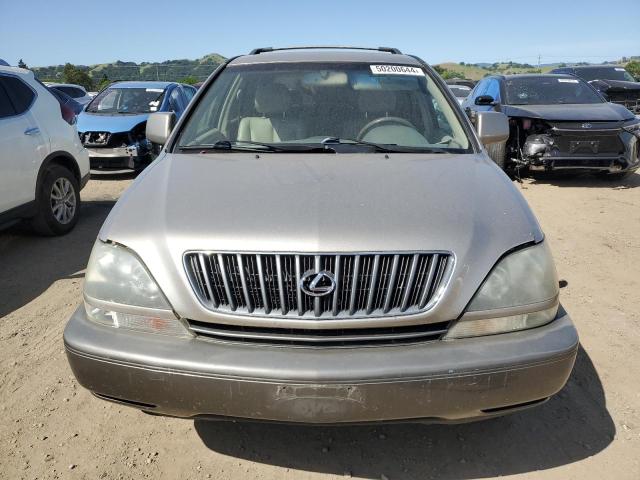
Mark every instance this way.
x=21 y=95
x=75 y=92
x=6 y=107
x=189 y=92
x=480 y=88
x=175 y=101
x=493 y=89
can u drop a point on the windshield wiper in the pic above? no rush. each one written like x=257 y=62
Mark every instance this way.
x=237 y=145
x=379 y=147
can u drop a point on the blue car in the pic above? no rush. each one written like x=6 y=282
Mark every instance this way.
x=112 y=127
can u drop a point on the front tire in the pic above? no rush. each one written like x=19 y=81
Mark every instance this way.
x=57 y=202
x=497 y=153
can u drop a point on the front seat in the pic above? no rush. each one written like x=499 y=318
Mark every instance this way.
x=272 y=102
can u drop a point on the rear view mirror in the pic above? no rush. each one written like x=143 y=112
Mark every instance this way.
x=159 y=126
x=485 y=100
x=492 y=127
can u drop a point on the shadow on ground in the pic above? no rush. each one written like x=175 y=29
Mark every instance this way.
x=29 y=264
x=569 y=179
x=573 y=425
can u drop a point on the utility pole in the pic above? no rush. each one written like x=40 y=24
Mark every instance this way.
x=538 y=60
x=157 y=73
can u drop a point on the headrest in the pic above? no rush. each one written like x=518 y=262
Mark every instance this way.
x=376 y=101
x=272 y=98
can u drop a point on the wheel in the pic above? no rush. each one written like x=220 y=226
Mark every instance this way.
x=57 y=202
x=497 y=153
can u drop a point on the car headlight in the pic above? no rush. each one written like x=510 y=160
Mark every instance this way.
x=120 y=292
x=634 y=128
x=521 y=292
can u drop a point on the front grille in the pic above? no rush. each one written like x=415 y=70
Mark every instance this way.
x=321 y=338
x=588 y=142
x=366 y=285
x=105 y=139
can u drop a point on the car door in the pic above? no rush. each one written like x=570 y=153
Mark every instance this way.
x=22 y=144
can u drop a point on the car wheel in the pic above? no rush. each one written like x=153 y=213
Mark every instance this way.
x=497 y=153
x=57 y=201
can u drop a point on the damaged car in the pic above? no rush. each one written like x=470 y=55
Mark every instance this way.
x=112 y=127
x=329 y=244
x=614 y=82
x=558 y=122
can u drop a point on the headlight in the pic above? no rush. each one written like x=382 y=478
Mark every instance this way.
x=521 y=292
x=119 y=292
x=634 y=128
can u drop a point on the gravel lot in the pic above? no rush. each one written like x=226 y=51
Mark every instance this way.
x=52 y=428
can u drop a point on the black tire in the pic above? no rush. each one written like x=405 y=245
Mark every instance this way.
x=497 y=153
x=57 y=202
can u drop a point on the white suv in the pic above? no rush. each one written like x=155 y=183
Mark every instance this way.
x=43 y=165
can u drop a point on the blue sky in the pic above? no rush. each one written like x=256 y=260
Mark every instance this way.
x=85 y=32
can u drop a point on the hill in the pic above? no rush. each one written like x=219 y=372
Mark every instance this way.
x=169 y=70
x=477 y=71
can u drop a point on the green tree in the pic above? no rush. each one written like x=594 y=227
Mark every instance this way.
x=104 y=82
x=189 y=80
x=21 y=64
x=73 y=74
x=633 y=68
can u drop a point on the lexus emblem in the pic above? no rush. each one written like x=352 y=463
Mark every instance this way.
x=586 y=125
x=317 y=284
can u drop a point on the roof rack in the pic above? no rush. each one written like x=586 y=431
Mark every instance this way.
x=392 y=50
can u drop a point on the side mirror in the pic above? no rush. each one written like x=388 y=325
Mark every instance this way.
x=159 y=126
x=492 y=127
x=485 y=100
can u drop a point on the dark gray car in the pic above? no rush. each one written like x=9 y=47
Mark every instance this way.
x=323 y=239
x=559 y=122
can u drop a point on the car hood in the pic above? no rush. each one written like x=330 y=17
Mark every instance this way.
x=112 y=123
x=603 y=112
x=616 y=85
x=321 y=203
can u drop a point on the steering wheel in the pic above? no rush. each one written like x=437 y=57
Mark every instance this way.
x=384 y=121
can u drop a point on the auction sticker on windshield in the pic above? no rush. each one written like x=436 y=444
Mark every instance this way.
x=396 y=70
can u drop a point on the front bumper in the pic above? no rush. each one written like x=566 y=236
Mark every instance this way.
x=118 y=158
x=442 y=381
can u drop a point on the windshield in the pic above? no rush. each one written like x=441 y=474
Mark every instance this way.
x=549 y=91
x=127 y=100
x=310 y=102
x=604 y=73
x=460 y=92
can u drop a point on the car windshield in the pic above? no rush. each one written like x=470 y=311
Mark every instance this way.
x=308 y=103
x=604 y=73
x=460 y=92
x=127 y=100
x=549 y=91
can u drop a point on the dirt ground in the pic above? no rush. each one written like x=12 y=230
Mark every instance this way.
x=50 y=427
